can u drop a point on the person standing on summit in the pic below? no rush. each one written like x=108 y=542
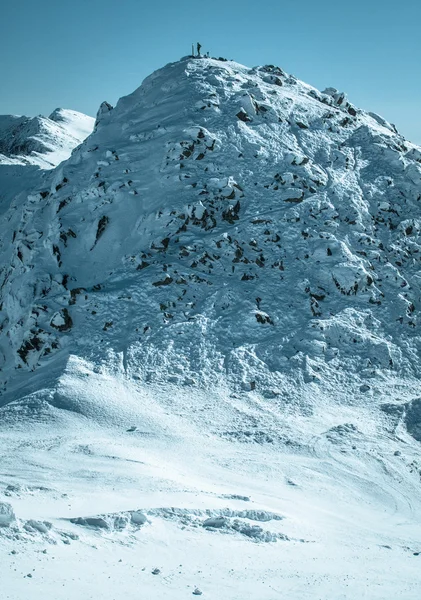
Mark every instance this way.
x=199 y=46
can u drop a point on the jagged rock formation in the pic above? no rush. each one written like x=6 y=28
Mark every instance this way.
x=222 y=225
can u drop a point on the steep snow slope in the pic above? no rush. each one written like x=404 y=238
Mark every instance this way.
x=217 y=295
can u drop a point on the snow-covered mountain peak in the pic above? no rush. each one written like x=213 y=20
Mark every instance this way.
x=235 y=224
x=76 y=124
x=42 y=141
x=29 y=146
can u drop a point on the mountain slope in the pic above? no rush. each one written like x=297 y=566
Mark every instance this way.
x=223 y=199
x=30 y=146
x=42 y=141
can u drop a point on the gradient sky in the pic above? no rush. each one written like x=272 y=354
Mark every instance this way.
x=75 y=54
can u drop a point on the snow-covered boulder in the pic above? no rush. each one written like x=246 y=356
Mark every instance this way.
x=7 y=515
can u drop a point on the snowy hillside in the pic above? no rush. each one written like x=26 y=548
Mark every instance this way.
x=42 y=141
x=30 y=146
x=215 y=300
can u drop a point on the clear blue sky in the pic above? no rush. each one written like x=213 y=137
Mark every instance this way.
x=75 y=54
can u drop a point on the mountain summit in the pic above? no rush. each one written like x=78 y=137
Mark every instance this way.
x=230 y=260
x=233 y=223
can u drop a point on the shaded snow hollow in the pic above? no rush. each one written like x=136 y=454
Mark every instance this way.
x=215 y=300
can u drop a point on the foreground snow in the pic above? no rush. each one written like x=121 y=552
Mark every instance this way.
x=99 y=507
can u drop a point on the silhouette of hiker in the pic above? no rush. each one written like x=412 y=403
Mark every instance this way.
x=199 y=46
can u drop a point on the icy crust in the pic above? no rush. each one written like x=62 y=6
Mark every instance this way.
x=222 y=226
x=242 y=522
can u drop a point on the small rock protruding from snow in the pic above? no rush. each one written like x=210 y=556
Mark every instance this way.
x=62 y=320
x=339 y=98
x=138 y=517
x=215 y=522
x=104 y=109
x=39 y=526
x=413 y=418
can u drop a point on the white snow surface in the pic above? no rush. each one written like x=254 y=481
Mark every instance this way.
x=209 y=350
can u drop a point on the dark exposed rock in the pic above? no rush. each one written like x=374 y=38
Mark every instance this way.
x=243 y=116
x=263 y=318
x=66 y=319
x=94 y=522
x=102 y=224
x=165 y=281
x=231 y=214
x=142 y=265
x=74 y=293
